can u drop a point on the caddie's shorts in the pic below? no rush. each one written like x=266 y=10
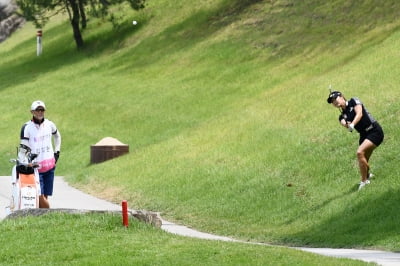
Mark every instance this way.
x=375 y=135
x=46 y=182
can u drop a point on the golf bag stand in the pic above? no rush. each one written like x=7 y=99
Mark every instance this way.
x=24 y=180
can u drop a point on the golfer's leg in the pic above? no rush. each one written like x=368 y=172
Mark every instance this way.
x=367 y=156
x=364 y=152
x=43 y=202
x=46 y=180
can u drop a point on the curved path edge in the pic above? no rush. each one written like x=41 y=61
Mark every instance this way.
x=383 y=258
x=67 y=197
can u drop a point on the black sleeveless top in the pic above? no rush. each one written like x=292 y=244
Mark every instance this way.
x=367 y=121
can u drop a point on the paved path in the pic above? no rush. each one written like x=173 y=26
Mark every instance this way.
x=65 y=196
x=68 y=197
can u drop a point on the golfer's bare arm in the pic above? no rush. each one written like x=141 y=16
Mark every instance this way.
x=358 y=110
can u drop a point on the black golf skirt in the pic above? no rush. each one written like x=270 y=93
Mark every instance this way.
x=375 y=135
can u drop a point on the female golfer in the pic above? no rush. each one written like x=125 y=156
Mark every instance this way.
x=355 y=116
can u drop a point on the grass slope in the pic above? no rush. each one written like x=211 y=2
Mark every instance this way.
x=101 y=240
x=223 y=103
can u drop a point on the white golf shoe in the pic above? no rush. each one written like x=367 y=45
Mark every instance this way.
x=362 y=184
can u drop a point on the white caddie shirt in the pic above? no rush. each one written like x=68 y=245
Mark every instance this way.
x=39 y=138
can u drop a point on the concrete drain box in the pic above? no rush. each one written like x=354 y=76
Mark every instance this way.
x=106 y=149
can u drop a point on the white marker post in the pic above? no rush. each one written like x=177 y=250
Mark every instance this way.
x=39 y=42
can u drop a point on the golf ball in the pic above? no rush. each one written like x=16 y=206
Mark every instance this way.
x=134 y=22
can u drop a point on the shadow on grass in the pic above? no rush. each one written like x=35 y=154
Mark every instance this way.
x=285 y=28
x=62 y=51
x=365 y=223
x=323 y=204
x=27 y=66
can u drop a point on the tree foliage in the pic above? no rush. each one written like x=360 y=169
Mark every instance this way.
x=40 y=11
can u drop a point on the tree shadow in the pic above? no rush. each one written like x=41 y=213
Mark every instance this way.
x=365 y=223
x=287 y=29
x=284 y=28
x=60 y=50
x=323 y=204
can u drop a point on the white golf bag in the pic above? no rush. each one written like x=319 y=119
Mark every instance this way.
x=25 y=181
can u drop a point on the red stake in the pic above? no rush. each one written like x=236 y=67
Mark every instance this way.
x=125 y=213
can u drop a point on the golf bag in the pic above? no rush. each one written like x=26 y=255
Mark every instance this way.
x=25 y=180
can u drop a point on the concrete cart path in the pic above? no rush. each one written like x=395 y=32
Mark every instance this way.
x=64 y=196
x=68 y=197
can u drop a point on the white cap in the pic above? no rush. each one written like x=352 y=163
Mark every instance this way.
x=36 y=104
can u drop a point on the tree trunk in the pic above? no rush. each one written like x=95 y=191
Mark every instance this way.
x=75 y=23
x=82 y=13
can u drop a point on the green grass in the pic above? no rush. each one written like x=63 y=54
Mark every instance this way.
x=223 y=104
x=100 y=239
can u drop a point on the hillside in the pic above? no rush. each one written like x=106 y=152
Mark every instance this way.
x=223 y=104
